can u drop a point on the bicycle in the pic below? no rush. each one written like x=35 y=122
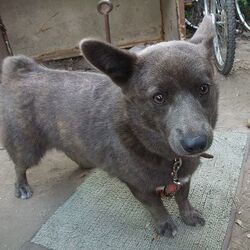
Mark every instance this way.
x=243 y=13
x=193 y=14
x=223 y=15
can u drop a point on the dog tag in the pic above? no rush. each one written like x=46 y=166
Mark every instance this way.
x=169 y=190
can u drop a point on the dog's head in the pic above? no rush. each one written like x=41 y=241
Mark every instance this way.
x=169 y=87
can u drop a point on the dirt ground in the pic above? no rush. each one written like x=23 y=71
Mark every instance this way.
x=56 y=178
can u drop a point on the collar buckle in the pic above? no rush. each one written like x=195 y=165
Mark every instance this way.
x=176 y=167
x=170 y=189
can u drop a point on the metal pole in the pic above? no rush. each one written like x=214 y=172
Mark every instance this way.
x=5 y=37
x=107 y=28
x=104 y=7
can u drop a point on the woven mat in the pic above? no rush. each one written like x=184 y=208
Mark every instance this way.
x=103 y=214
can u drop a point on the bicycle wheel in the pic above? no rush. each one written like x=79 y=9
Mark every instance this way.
x=243 y=11
x=193 y=14
x=190 y=26
x=223 y=12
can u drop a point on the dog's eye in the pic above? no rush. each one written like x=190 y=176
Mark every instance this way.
x=204 y=88
x=159 y=98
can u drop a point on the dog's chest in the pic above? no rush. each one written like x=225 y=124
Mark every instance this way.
x=164 y=174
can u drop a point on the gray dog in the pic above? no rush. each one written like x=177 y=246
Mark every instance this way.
x=146 y=120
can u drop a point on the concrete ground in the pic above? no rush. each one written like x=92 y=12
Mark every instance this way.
x=56 y=178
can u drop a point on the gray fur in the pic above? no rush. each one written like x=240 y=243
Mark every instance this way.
x=110 y=120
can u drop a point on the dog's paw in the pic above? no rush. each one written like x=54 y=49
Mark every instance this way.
x=167 y=228
x=193 y=217
x=23 y=191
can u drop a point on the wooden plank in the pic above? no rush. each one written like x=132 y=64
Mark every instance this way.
x=169 y=20
x=73 y=52
x=181 y=18
x=45 y=26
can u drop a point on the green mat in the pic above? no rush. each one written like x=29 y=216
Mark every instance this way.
x=103 y=214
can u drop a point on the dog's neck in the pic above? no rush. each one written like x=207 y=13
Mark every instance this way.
x=139 y=138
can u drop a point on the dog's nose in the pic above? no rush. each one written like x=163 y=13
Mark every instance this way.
x=194 y=144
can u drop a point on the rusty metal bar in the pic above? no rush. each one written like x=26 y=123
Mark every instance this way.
x=104 y=7
x=5 y=37
x=107 y=28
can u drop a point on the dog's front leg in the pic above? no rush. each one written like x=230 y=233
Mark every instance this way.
x=189 y=215
x=164 y=223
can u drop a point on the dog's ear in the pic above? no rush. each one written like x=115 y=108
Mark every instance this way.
x=205 y=34
x=116 y=63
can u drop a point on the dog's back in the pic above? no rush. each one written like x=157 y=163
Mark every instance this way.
x=43 y=109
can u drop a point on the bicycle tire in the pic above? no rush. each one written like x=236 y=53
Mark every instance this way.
x=241 y=16
x=225 y=65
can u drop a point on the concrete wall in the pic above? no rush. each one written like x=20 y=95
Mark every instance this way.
x=50 y=27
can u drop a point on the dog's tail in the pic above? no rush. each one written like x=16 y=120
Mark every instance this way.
x=16 y=65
